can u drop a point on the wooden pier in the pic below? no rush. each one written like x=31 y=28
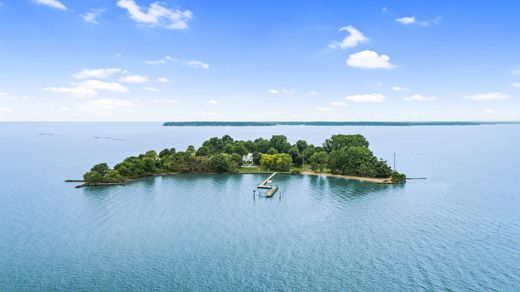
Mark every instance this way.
x=266 y=184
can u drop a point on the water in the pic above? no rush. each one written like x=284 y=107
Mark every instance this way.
x=457 y=230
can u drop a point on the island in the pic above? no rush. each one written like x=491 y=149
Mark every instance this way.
x=346 y=156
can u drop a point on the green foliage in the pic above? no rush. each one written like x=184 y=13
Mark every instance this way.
x=272 y=151
x=398 y=177
x=279 y=142
x=220 y=163
x=281 y=162
x=336 y=142
x=358 y=161
x=344 y=154
x=319 y=160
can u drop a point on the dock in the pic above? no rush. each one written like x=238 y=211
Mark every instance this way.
x=266 y=184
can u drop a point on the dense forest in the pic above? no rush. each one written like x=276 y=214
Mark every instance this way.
x=340 y=154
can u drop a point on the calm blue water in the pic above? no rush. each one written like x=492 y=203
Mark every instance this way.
x=457 y=230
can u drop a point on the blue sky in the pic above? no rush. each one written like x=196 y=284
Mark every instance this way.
x=139 y=60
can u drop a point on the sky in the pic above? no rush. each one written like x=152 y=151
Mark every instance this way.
x=259 y=60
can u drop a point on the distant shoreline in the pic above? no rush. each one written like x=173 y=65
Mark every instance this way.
x=328 y=123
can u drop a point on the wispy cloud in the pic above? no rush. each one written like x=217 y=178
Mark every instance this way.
x=92 y=15
x=157 y=15
x=488 y=96
x=516 y=84
x=366 y=98
x=409 y=20
x=134 y=79
x=338 y=103
x=282 y=91
x=369 y=60
x=52 y=3
x=323 y=109
x=164 y=100
x=190 y=63
x=399 y=88
x=101 y=73
x=419 y=98
x=89 y=88
x=150 y=89
x=354 y=38
x=212 y=101
x=163 y=80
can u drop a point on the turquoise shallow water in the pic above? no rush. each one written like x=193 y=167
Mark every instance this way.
x=457 y=230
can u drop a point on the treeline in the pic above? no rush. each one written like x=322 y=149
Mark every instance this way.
x=324 y=123
x=340 y=154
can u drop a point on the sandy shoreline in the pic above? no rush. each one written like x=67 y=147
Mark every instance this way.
x=358 y=178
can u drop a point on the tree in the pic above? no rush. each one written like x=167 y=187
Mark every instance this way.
x=202 y=151
x=256 y=157
x=272 y=151
x=301 y=145
x=337 y=142
x=262 y=145
x=280 y=161
x=236 y=159
x=101 y=168
x=164 y=152
x=279 y=142
x=220 y=163
x=319 y=160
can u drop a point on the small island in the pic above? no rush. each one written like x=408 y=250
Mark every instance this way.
x=346 y=156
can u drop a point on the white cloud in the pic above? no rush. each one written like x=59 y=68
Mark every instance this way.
x=335 y=103
x=151 y=89
x=488 y=96
x=89 y=88
x=369 y=60
x=52 y=3
x=197 y=64
x=190 y=63
x=406 y=20
x=398 y=88
x=102 y=85
x=282 y=91
x=76 y=91
x=157 y=15
x=366 y=98
x=418 y=97
x=323 y=109
x=490 y=111
x=6 y=96
x=101 y=73
x=92 y=15
x=163 y=80
x=6 y=109
x=354 y=38
x=312 y=92
x=134 y=79
x=516 y=84
x=212 y=101
x=164 y=100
